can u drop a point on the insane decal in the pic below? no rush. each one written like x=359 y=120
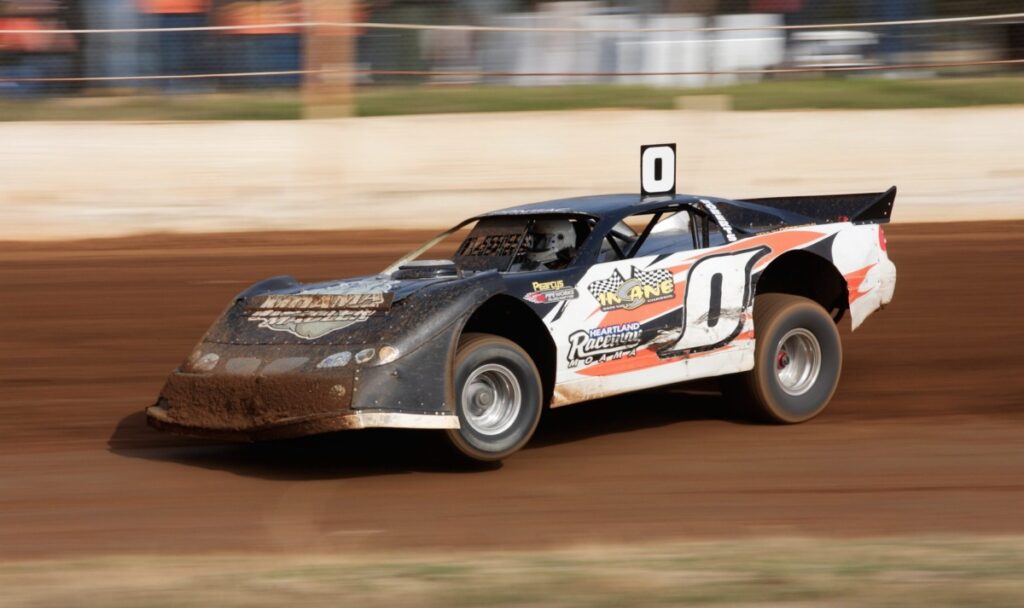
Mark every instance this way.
x=549 y=292
x=642 y=287
x=602 y=344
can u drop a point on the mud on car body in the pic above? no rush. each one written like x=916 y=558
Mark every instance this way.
x=546 y=305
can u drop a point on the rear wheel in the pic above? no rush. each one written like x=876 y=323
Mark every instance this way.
x=498 y=397
x=797 y=361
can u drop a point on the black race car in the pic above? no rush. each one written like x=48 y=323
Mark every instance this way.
x=545 y=305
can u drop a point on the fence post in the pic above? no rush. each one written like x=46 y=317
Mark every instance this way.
x=328 y=55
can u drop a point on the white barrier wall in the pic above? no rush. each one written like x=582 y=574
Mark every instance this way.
x=629 y=52
x=62 y=180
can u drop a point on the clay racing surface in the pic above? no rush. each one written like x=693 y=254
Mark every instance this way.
x=925 y=435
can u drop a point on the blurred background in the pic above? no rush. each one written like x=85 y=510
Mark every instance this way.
x=419 y=105
x=339 y=49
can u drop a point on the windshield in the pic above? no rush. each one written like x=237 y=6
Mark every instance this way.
x=519 y=243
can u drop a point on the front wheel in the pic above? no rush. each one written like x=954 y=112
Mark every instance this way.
x=797 y=360
x=498 y=397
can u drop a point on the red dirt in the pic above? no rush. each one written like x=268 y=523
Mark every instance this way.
x=925 y=435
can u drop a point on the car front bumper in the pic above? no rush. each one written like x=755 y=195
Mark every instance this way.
x=159 y=418
x=256 y=393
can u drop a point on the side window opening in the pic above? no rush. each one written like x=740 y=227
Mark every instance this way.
x=523 y=243
x=649 y=233
x=661 y=231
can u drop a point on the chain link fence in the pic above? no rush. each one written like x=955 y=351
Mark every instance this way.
x=74 y=48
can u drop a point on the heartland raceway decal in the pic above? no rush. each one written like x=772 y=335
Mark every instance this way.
x=601 y=344
x=314 y=313
x=550 y=292
x=642 y=287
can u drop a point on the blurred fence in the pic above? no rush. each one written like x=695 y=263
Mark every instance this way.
x=71 y=47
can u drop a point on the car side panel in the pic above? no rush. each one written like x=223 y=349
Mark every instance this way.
x=870 y=274
x=694 y=319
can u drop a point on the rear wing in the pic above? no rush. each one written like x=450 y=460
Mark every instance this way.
x=872 y=208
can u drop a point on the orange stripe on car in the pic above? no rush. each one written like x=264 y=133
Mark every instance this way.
x=855 y=279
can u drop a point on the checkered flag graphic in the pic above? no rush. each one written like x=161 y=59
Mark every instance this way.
x=614 y=282
x=652 y=277
x=609 y=285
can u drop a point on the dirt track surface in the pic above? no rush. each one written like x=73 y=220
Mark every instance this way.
x=925 y=435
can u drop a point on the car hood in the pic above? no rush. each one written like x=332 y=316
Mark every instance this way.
x=357 y=311
x=359 y=293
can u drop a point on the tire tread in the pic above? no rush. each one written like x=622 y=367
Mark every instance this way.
x=748 y=394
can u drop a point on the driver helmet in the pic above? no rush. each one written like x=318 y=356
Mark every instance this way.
x=550 y=237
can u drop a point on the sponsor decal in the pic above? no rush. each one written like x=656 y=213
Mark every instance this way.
x=491 y=245
x=548 y=285
x=549 y=292
x=300 y=301
x=314 y=313
x=642 y=287
x=724 y=223
x=550 y=297
x=308 y=324
x=601 y=344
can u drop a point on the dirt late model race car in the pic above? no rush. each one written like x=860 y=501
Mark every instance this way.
x=546 y=305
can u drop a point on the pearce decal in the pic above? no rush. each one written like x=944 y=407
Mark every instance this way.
x=549 y=292
x=642 y=287
x=601 y=344
x=548 y=285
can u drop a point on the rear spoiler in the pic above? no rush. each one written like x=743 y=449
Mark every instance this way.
x=872 y=208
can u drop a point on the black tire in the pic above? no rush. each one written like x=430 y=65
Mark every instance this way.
x=777 y=390
x=494 y=368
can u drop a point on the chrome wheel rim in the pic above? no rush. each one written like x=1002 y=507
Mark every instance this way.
x=491 y=399
x=797 y=361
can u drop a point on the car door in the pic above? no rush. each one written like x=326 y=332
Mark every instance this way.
x=655 y=303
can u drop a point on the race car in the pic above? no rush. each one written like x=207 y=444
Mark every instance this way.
x=546 y=305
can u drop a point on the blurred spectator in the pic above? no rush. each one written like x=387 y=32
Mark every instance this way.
x=113 y=55
x=33 y=52
x=179 y=52
x=266 y=44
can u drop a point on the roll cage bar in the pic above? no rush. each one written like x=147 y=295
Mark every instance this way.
x=700 y=229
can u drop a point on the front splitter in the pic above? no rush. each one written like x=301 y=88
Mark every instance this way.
x=301 y=426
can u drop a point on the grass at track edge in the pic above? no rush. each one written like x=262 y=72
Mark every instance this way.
x=818 y=93
x=950 y=571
